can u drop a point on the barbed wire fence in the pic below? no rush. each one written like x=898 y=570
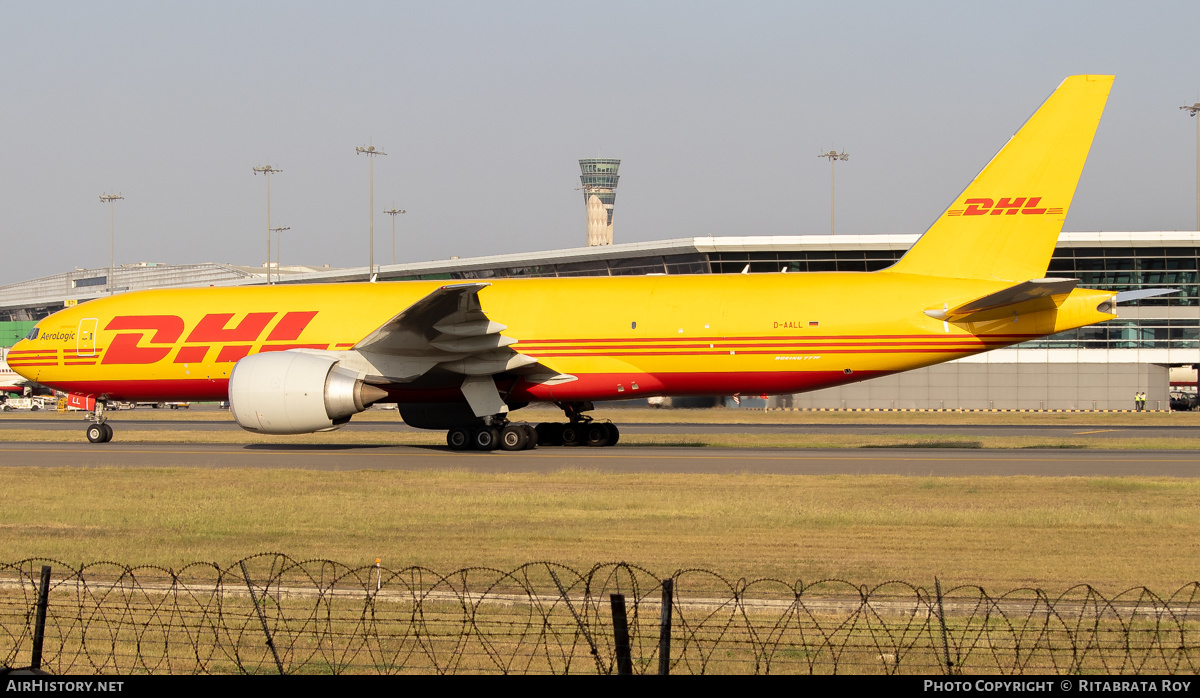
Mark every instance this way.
x=270 y=614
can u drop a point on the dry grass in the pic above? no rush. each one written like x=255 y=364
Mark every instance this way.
x=998 y=532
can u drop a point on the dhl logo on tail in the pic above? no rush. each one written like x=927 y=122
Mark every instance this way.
x=1025 y=205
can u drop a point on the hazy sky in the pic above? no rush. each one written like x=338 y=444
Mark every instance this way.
x=717 y=110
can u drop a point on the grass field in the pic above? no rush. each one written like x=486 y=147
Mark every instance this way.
x=997 y=532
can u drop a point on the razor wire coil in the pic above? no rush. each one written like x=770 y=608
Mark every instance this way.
x=320 y=616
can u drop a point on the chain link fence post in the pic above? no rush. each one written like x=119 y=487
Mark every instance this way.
x=621 y=635
x=941 y=614
x=664 y=628
x=39 y=623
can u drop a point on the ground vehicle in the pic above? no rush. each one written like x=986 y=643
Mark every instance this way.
x=33 y=404
x=1183 y=402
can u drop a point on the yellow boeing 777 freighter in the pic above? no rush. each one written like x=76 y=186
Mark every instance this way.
x=459 y=357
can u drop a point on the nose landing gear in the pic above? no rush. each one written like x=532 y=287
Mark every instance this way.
x=99 y=432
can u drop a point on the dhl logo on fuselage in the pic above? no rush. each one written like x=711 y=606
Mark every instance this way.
x=161 y=333
x=1006 y=206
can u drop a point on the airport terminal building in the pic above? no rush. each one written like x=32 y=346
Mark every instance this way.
x=1095 y=367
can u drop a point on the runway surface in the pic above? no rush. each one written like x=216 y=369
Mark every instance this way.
x=1100 y=432
x=900 y=461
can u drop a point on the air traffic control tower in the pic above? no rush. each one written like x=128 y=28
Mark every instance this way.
x=599 y=179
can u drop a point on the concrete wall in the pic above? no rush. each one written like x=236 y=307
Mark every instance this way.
x=973 y=385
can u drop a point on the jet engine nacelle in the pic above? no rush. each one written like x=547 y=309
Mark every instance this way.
x=291 y=392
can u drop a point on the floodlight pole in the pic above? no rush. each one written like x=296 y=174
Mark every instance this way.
x=833 y=156
x=268 y=171
x=110 y=198
x=393 y=212
x=371 y=152
x=278 y=249
x=1194 y=111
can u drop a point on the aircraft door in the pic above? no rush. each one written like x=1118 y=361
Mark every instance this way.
x=85 y=339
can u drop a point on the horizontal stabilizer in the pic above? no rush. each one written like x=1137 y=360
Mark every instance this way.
x=1126 y=296
x=1036 y=294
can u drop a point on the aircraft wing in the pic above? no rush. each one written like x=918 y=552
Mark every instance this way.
x=1025 y=297
x=446 y=330
x=447 y=327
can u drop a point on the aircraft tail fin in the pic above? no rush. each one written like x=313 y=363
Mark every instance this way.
x=1005 y=224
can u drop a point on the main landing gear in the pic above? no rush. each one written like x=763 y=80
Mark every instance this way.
x=507 y=437
x=581 y=430
x=590 y=433
x=99 y=432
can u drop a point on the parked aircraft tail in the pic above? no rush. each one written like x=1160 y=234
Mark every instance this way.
x=1005 y=224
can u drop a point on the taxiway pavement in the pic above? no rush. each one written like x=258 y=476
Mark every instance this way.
x=1047 y=431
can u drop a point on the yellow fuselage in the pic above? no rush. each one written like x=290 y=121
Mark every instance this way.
x=621 y=337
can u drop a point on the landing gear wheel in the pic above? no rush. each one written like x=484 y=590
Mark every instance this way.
x=549 y=434
x=96 y=433
x=514 y=438
x=614 y=434
x=531 y=435
x=459 y=438
x=596 y=435
x=108 y=432
x=485 y=439
x=572 y=435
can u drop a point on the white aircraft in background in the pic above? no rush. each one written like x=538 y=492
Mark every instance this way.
x=10 y=380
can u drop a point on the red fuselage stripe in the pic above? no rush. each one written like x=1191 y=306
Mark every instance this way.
x=719 y=352
x=587 y=387
x=768 y=345
x=958 y=337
